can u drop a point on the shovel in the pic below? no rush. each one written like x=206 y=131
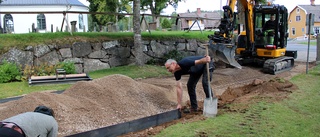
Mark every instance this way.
x=210 y=106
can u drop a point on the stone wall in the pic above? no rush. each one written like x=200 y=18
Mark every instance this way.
x=103 y=55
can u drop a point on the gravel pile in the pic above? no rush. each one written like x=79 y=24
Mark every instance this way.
x=89 y=105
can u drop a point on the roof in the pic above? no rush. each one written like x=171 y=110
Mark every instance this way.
x=41 y=2
x=315 y=9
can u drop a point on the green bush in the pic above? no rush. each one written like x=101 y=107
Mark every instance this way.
x=9 y=72
x=166 y=23
x=68 y=66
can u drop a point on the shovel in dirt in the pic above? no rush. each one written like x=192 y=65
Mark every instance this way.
x=210 y=106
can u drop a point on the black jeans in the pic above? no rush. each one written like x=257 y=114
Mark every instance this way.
x=192 y=83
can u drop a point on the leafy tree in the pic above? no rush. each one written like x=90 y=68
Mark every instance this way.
x=109 y=6
x=156 y=6
x=165 y=23
x=173 y=20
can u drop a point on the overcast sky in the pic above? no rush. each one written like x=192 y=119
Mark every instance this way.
x=211 y=5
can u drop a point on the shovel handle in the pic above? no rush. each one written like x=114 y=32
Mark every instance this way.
x=208 y=73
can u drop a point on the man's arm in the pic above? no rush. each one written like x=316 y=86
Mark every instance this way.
x=179 y=94
x=54 y=130
x=204 y=60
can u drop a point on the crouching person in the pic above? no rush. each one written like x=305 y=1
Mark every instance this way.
x=40 y=123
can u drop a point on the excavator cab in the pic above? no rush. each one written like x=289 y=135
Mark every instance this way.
x=270 y=23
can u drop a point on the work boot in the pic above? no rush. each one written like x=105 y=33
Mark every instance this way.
x=190 y=110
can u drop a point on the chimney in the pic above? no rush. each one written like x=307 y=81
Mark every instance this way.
x=198 y=11
x=312 y=2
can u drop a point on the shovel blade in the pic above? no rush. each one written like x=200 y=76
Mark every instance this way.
x=210 y=107
x=225 y=53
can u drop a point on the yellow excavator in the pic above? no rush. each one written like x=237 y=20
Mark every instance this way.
x=254 y=44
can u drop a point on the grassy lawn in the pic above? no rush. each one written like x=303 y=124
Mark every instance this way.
x=297 y=116
x=32 y=39
x=312 y=43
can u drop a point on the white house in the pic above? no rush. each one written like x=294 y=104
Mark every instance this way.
x=44 y=22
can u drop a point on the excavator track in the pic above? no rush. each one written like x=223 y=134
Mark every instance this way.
x=278 y=65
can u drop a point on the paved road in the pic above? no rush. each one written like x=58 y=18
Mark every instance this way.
x=303 y=50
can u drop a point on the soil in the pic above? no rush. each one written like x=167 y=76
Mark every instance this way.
x=114 y=99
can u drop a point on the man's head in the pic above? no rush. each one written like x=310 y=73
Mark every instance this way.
x=272 y=17
x=44 y=110
x=171 y=65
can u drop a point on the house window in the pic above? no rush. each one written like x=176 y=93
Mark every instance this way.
x=302 y=30
x=316 y=30
x=8 y=23
x=298 y=18
x=298 y=10
x=293 y=30
x=81 y=21
x=41 y=22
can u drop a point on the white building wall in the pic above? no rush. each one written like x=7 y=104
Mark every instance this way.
x=23 y=22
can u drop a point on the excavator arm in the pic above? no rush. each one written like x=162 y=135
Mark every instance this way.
x=227 y=23
x=222 y=43
x=248 y=9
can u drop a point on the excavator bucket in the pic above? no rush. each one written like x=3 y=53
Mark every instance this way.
x=225 y=52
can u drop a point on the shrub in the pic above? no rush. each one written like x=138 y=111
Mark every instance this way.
x=68 y=66
x=166 y=23
x=46 y=70
x=9 y=72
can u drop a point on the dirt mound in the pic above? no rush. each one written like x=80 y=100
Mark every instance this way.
x=89 y=105
x=273 y=90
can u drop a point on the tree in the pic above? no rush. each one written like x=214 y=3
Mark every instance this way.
x=156 y=6
x=165 y=23
x=110 y=6
x=138 y=52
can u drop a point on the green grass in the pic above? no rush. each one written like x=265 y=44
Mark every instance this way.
x=312 y=43
x=20 y=88
x=297 y=116
x=32 y=39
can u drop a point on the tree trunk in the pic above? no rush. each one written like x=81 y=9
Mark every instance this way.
x=138 y=50
x=157 y=21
